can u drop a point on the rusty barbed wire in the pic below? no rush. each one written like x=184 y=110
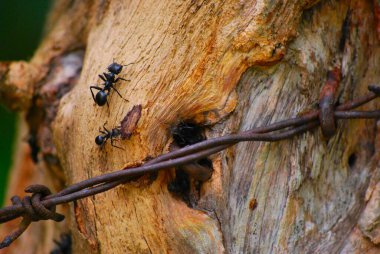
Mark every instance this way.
x=41 y=205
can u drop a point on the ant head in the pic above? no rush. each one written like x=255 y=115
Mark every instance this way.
x=101 y=98
x=115 y=68
x=99 y=140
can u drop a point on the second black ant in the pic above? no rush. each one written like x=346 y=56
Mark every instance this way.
x=113 y=135
x=110 y=80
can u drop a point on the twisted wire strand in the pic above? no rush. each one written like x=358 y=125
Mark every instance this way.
x=41 y=205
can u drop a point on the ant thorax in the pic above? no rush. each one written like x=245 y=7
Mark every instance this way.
x=115 y=132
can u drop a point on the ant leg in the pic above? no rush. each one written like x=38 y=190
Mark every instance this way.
x=104 y=143
x=119 y=93
x=108 y=105
x=102 y=78
x=101 y=131
x=117 y=79
x=112 y=144
x=104 y=131
x=104 y=127
x=94 y=87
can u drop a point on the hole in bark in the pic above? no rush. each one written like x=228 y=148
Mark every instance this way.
x=34 y=148
x=345 y=31
x=352 y=160
x=187 y=133
x=189 y=177
x=63 y=245
x=180 y=186
x=205 y=162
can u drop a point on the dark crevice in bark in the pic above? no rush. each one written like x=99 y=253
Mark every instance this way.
x=187 y=184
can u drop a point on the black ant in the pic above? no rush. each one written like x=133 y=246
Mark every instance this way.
x=112 y=134
x=109 y=82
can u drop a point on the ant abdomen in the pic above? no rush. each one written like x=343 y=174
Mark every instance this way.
x=99 y=140
x=101 y=98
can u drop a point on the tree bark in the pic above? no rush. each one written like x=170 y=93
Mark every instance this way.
x=228 y=66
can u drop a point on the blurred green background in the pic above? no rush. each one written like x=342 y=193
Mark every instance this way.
x=21 y=28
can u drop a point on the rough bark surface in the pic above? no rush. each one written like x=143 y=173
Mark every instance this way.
x=229 y=66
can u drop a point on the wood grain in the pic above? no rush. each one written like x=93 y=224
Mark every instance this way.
x=228 y=66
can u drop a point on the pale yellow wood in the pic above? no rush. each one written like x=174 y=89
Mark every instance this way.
x=228 y=65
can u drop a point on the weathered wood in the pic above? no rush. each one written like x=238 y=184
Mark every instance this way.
x=227 y=65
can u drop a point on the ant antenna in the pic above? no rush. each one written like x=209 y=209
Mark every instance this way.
x=129 y=64
x=113 y=60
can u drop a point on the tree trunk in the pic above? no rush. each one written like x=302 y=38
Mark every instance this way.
x=228 y=66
